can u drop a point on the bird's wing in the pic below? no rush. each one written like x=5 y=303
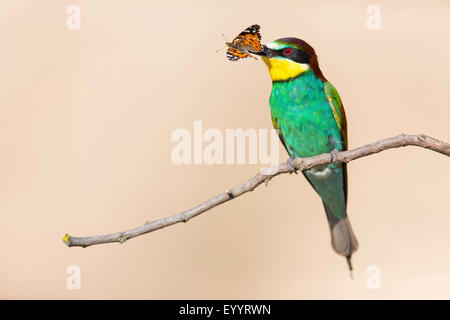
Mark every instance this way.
x=280 y=134
x=338 y=110
x=339 y=115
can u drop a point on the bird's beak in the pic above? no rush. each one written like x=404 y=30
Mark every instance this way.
x=266 y=52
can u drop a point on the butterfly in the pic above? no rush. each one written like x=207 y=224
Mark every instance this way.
x=247 y=41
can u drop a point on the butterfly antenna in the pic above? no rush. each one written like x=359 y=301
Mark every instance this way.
x=224 y=46
x=220 y=49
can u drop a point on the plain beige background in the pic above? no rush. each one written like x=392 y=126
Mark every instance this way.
x=85 y=124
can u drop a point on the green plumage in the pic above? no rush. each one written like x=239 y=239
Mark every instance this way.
x=301 y=110
x=309 y=115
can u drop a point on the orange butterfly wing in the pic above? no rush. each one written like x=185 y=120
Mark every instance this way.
x=247 y=40
x=234 y=54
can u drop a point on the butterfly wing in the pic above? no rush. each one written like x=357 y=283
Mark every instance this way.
x=249 y=39
x=252 y=30
x=234 y=54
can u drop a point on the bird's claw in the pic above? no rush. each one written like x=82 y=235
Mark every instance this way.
x=334 y=155
x=290 y=163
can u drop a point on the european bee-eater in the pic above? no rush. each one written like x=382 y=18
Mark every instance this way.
x=309 y=115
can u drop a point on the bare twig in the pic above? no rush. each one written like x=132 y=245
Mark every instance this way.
x=264 y=176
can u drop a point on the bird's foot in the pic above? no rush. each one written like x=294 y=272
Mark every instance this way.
x=334 y=155
x=290 y=163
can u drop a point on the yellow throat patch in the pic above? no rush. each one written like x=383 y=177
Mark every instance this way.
x=281 y=69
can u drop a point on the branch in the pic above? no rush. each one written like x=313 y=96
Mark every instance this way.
x=263 y=176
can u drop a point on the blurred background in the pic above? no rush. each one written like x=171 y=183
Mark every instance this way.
x=86 y=118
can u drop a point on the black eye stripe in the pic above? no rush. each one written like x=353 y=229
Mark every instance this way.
x=295 y=55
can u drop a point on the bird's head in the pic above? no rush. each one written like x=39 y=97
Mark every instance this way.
x=287 y=58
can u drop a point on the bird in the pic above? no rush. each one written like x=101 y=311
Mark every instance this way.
x=309 y=115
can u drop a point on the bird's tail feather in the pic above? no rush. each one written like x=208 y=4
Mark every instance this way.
x=343 y=239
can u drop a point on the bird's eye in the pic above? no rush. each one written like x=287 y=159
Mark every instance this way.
x=287 y=51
